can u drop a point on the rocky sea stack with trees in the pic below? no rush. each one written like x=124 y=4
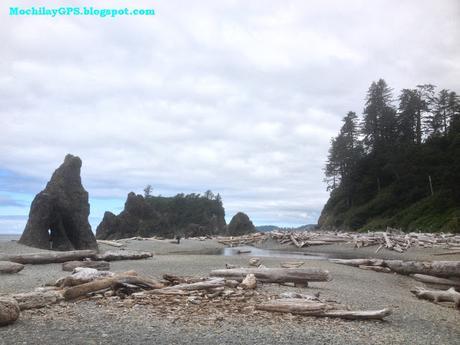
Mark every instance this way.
x=399 y=165
x=181 y=215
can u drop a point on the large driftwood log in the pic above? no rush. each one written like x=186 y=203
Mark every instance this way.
x=10 y=267
x=433 y=268
x=123 y=255
x=9 y=311
x=69 y=266
x=49 y=257
x=313 y=308
x=436 y=280
x=37 y=299
x=276 y=275
x=106 y=283
x=438 y=295
x=359 y=314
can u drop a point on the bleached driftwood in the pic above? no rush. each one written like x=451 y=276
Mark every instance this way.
x=291 y=294
x=123 y=255
x=358 y=262
x=10 y=267
x=9 y=311
x=292 y=264
x=276 y=275
x=110 y=243
x=49 y=257
x=99 y=265
x=319 y=309
x=130 y=278
x=433 y=268
x=392 y=239
x=436 y=280
x=82 y=275
x=202 y=285
x=379 y=269
x=37 y=299
x=438 y=295
x=249 y=282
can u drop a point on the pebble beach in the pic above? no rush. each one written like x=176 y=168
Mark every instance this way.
x=89 y=321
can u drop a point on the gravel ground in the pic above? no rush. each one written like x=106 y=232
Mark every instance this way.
x=124 y=322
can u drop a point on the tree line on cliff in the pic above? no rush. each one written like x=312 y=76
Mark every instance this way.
x=399 y=164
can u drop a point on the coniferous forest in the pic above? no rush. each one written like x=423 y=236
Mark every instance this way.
x=398 y=165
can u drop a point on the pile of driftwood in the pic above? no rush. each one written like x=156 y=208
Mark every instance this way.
x=443 y=275
x=229 y=285
x=391 y=239
x=76 y=258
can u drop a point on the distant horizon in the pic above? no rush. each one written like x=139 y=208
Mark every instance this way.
x=21 y=221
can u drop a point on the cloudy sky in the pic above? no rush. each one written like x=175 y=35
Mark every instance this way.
x=240 y=97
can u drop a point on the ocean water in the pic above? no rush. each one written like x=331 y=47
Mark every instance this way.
x=9 y=237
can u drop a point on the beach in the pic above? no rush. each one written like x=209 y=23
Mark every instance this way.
x=127 y=322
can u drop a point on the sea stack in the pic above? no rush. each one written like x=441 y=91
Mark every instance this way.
x=58 y=217
x=240 y=225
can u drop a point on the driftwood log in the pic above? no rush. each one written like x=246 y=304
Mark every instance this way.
x=123 y=255
x=9 y=311
x=314 y=308
x=49 y=257
x=74 y=255
x=10 y=267
x=110 y=243
x=436 y=280
x=69 y=266
x=438 y=295
x=37 y=299
x=130 y=278
x=292 y=264
x=203 y=285
x=82 y=275
x=433 y=268
x=275 y=275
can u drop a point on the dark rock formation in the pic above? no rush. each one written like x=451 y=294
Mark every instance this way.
x=137 y=219
x=182 y=215
x=58 y=217
x=240 y=225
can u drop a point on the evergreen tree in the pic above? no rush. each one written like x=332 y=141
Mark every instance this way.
x=439 y=120
x=407 y=116
x=453 y=110
x=379 y=124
